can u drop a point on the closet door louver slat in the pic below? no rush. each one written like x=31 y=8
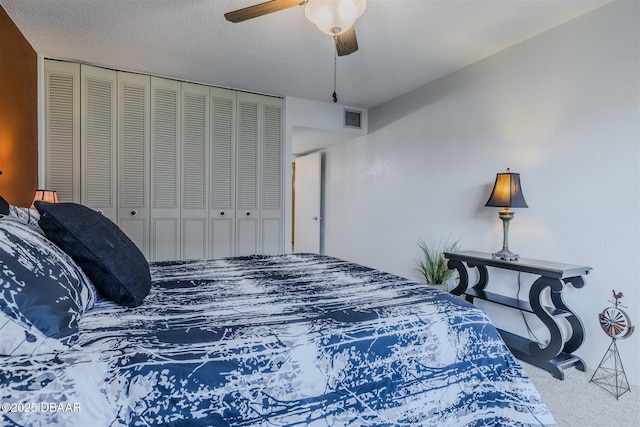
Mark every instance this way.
x=271 y=226
x=248 y=156
x=62 y=129
x=133 y=138
x=194 y=144
x=99 y=142
x=165 y=177
x=222 y=145
x=98 y=110
x=272 y=159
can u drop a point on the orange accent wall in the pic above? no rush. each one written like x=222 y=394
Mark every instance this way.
x=18 y=114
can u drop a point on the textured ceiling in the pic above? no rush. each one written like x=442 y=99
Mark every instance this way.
x=403 y=43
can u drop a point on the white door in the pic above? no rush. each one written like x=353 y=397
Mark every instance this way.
x=248 y=161
x=306 y=228
x=165 y=169
x=271 y=179
x=195 y=171
x=133 y=158
x=222 y=211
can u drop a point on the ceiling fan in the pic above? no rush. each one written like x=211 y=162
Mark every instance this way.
x=333 y=17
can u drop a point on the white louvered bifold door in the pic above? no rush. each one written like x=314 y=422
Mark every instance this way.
x=195 y=171
x=98 y=141
x=133 y=158
x=187 y=171
x=272 y=227
x=165 y=169
x=248 y=173
x=62 y=129
x=222 y=208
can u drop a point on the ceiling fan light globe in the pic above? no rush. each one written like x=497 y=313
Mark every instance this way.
x=334 y=17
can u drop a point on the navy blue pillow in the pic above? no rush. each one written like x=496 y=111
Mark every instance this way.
x=108 y=257
x=4 y=206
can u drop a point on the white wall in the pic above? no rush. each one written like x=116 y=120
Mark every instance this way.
x=563 y=110
x=325 y=116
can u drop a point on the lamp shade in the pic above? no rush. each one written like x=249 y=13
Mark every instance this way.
x=507 y=192
x=334 y=17
x=44 y=195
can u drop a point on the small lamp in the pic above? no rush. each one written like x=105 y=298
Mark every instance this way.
x=507 y=193
x=44 y=195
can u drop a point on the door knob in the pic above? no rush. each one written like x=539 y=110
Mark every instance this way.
x=134 y=213
x=222 y=213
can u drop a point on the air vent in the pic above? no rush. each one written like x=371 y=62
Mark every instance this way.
x=353 y=119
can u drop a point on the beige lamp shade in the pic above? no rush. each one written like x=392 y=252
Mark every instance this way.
x=507 y=192
x=44 y=195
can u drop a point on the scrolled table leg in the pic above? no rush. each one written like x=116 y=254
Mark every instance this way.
x=577 y=337
x=556 y=341
x=483 y=275
x=463 y=281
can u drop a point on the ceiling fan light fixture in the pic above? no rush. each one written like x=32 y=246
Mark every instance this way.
x=334 y=17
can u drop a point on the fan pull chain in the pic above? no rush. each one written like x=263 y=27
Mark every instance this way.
x=335 y=66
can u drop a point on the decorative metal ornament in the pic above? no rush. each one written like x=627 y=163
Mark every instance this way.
x=615 y=323
x=610 y=373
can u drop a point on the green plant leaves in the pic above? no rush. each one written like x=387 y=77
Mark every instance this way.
x=432 y=264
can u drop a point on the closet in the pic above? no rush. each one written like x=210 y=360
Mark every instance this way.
x=187 y=171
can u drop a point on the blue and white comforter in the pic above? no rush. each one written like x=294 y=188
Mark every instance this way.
x=290 y=340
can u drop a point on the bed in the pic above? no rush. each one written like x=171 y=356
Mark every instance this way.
x=282 y=340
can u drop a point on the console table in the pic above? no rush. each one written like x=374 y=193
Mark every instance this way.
x=557 y=355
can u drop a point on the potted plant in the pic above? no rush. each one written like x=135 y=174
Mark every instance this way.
x=432 y=264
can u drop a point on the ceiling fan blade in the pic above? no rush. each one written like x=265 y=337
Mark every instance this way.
x=346 y=43
x=261 y=9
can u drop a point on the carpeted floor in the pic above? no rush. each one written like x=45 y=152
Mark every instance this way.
x=575 y=402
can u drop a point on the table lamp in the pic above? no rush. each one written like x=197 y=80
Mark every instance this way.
x=44 y=195
x=507 y=193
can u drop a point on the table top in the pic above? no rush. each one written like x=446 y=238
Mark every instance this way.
x=543 y=268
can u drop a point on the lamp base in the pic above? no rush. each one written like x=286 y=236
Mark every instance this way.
x=506 y=255
x=505 y=215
